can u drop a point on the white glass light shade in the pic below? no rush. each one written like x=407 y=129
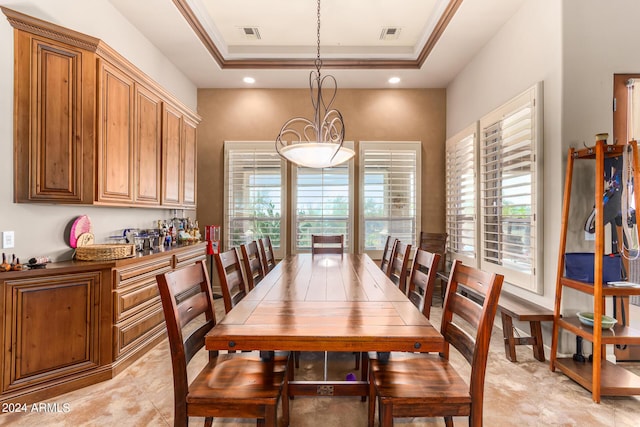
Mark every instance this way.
x=317 y=154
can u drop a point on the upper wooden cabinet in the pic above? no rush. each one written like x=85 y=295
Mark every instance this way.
x=189 y=173
x=115 y=135
x=90 y=128
x=178 y=159
x=148 y=149
x=54 y=121
x=171 y=156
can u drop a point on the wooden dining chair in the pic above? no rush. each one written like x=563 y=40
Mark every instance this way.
x=427 y=385
x=436 y=243
x=231 y=281
x=252 y=260
x=423 y=280
x=327 y=244
x=387 y=254
x=399 y=264
x=238 y=385
x=268 y=257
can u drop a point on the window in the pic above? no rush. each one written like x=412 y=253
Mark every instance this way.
x=461 y=189
x=254 y=197
x=323 y=204
x=390 y=195
x=510 y=195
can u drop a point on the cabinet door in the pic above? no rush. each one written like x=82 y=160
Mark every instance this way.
x=171 y=156
x=115 y=136
x=190 y=164
x=148 y=129
x=51 y=328
x=54 y=116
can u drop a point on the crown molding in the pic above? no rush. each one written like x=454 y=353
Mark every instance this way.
x=290 y=63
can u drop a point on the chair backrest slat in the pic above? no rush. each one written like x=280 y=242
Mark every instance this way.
x=231 y=280
x=192 y=307
x=399 y=264
x=327 y=244
x=252 y=260
x=422 y=280
x=435 y=243
x=268 y=257
x=387 y=254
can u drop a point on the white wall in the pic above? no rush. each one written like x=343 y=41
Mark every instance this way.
x=526 y=50
x=600 y=39
x=575 y=47
x=39 y=229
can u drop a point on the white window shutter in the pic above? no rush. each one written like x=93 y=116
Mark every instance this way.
x=510 y=184
x=461 y=192
x=254 y=194
x=390 y=186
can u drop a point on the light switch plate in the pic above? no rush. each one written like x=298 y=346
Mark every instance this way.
x=8 y=239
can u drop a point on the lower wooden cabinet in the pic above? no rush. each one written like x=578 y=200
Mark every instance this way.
x=52 y=330
x=137 y=335
x=138 y=317
x=74 y=325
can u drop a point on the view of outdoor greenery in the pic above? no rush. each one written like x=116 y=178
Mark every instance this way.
x=330 y=217
x=263 y=221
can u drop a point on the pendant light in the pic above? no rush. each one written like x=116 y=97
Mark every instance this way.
x=316 y=143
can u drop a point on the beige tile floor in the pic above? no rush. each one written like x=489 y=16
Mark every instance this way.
x=523 y=394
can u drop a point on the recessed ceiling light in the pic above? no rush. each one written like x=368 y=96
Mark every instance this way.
x=394 y=80
x=249 y=80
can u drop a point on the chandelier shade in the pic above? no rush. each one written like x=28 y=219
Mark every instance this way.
x=316 y=143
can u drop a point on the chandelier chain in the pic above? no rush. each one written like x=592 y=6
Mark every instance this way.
x=316 y=143
x=318 y=60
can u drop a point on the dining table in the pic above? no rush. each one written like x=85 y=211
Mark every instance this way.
x=328 y=302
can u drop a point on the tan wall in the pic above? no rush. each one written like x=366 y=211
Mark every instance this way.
x=369 y=115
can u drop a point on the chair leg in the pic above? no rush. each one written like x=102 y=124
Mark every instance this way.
x=269 y=420
x=372 y=402
x=448 y=421
x=208 y=422
x=357 y=355
x=296 y=356
x=364 y=372
x=386 y=414
x=285 y=393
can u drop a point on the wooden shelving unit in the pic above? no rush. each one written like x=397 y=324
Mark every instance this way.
x=600 y=377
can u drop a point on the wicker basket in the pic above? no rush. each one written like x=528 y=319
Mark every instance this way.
x=105 y=252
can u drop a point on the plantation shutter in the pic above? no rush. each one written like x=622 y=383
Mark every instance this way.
x=323 y=203
x=509 y=190
x=390 y=180
x=461 y=190
x=254 y=197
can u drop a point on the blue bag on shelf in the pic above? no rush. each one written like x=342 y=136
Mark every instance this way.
x=579 y=266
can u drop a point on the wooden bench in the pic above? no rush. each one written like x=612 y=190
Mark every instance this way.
x=513 y=307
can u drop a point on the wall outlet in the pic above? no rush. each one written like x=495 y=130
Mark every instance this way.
x=8 y=239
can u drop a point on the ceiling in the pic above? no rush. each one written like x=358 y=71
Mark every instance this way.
x=216 y=43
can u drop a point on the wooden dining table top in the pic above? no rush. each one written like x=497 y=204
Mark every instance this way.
x=325 y=303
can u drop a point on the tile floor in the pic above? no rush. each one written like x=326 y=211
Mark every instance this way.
x=526 y=393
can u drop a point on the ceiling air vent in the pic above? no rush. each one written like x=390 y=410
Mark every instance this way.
x=250 y=33
x=390 y=33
